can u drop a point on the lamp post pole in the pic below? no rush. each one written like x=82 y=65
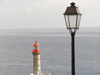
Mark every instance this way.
x=72 y=17
x=73 y=53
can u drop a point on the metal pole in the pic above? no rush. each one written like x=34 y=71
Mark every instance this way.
x=73 y=53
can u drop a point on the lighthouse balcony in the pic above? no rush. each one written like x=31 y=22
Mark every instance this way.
x=36 y=51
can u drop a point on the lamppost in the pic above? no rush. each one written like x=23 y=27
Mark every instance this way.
x=72 y=17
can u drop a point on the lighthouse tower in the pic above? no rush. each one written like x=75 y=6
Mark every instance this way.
x=36 y=59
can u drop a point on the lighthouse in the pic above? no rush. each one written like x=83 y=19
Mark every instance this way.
x=36 y=61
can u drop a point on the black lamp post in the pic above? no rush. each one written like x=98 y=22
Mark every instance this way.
x=72 y=17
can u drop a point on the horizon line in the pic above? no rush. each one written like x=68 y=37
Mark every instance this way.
x=42 y=28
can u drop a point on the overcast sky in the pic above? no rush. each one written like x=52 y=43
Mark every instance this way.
x=15 y=14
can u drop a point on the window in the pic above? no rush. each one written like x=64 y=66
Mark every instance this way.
x=38 y=66
x=38 y=60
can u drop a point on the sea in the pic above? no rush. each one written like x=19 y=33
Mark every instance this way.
x=16 y=45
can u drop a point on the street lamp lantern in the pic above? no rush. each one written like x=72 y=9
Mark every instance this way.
x=72 y=17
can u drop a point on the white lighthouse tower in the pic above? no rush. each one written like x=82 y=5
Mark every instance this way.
x=36 y=61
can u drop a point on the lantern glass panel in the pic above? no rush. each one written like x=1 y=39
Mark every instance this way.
x=67 y=21
x=36 y=47
x=78 y=21
x=72 y=21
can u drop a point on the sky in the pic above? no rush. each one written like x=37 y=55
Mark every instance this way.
x=23 y=14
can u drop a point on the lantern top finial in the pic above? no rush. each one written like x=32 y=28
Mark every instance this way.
x=35 y=41
x=72 y=4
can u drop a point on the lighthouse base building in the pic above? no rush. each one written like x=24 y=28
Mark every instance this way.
x=41 y=74
x=36 y=61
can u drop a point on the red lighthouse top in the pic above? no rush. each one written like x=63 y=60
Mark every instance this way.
x=36 y=44
x=36 y=48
